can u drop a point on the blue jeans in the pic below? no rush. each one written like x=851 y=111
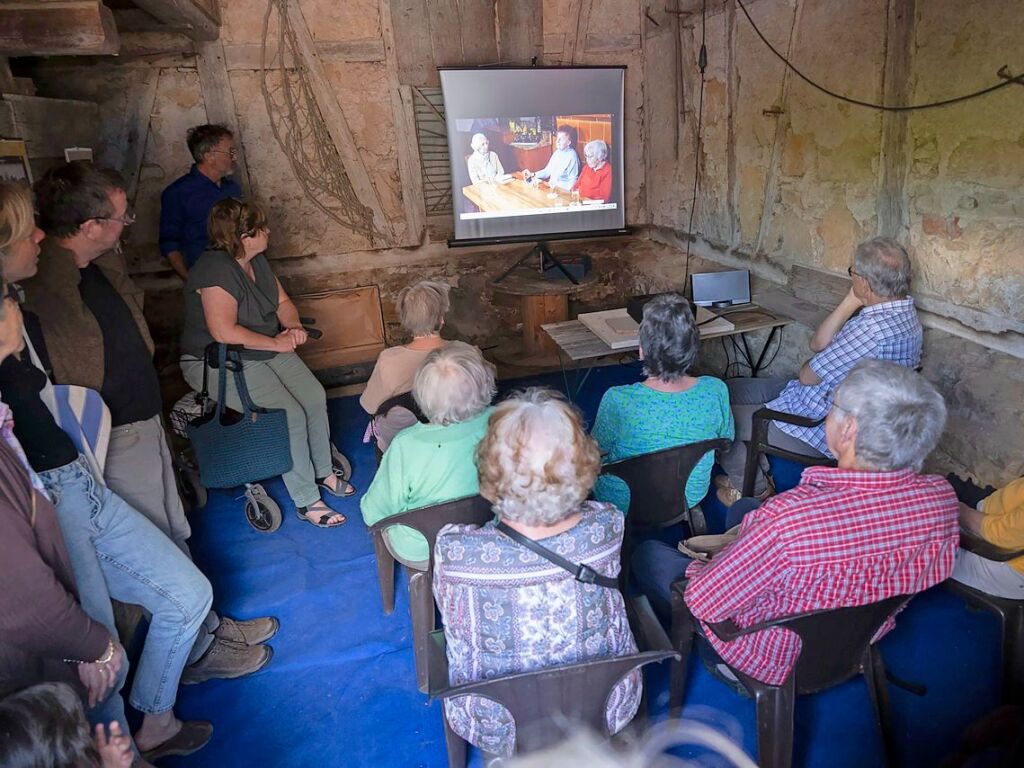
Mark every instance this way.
x=116 y=552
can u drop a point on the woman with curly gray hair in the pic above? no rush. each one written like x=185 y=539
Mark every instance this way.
x=669 y=408
x=508 y=610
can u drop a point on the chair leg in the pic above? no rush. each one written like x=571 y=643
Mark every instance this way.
x=775 y=724
x=421 y=606
x=454 y=743
x=876 y=679
x=682 y=641
x=1013 y=655
x=385 y=572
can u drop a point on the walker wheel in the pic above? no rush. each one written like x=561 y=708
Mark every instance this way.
x=261 y=511
x=341 y=463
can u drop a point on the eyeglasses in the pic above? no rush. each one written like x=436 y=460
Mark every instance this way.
x=232 y=153
x=853 y=273
x=127 y=220
x=830 y=400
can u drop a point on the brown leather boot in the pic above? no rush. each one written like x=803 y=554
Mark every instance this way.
x=247 y=632
x=227 y=660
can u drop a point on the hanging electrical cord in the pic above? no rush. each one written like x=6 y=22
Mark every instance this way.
x=702 y=64
x=883 y=107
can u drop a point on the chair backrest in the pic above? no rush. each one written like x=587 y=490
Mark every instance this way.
x=428 y=521
x=543 y=703
x=833 y=642
x=403 y=400
x=657 y=482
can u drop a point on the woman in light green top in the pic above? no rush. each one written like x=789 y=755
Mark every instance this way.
x=431 y=463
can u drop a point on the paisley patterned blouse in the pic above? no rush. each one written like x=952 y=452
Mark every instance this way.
x=507 y=610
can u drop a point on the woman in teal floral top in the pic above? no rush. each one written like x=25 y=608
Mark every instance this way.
x=507 y=610
x=669 y=407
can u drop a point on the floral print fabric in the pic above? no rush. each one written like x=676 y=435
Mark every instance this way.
x=507 y=610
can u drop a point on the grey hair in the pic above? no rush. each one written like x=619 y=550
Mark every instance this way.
x=453 y=384
x=537 y=463
x=597 y=147
x=477 y=140
x=885 y=265
x=668 y=337
x=422 y=307
x=900 y=415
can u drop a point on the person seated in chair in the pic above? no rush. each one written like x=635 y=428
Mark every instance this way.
x=876 y=319
x=483 y=165
x=859 y=533
x=669 y=407
x=595 y=182
x=997 y=518
x=233 y=297
x=507 y=610
x=434 y=462
x=421 y=310
x=563 y=167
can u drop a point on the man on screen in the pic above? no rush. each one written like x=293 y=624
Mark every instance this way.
x=563 y=168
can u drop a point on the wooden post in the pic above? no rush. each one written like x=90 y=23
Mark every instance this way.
x=520 y=25
x=220 y=99
x=892 y=201
x=538 y=310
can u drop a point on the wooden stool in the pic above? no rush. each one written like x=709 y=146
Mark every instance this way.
x=541 y=301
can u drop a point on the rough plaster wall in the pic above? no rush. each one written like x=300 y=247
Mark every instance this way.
x=820 y=164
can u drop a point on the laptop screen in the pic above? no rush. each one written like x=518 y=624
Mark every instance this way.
x=721 y=288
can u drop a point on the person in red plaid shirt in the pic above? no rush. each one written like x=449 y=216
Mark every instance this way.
x=862 y=532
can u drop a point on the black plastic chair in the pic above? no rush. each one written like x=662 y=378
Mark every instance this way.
x=542 y=701
x=1010 y=613
x=428 y=521
x=657 y=491
x=759 y=445
x=835 y=646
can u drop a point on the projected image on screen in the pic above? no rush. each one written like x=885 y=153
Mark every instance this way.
x=536 y=165
x=535 y=152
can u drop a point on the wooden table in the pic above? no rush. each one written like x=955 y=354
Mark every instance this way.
x=543 y=301
x=515 y=195
x=578 y=343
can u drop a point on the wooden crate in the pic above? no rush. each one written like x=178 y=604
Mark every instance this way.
x=351 y=323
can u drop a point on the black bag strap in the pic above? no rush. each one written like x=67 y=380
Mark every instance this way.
x=248 y=406
x=580 y=572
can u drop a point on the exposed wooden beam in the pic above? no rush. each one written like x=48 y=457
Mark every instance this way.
x=57 y=27
x=896 y=89
x=220 y=99
x=520 y=31
x=337 y=125
x=199 y=19
x=151 y=43
x=248 y=56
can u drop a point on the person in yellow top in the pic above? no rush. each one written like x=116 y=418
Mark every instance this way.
x=999 y=519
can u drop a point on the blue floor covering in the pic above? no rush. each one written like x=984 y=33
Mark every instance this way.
x=340 y=690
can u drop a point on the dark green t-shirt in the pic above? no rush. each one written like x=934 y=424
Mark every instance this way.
x=257 y=302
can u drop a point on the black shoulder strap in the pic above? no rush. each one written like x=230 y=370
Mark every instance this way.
x=582 y=573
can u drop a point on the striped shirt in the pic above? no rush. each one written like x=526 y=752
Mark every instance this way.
x=841 y=538
x=887 y=331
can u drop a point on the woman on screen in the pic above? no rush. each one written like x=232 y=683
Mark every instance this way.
x=563 y=168
x=484 y=165
x=595 y=183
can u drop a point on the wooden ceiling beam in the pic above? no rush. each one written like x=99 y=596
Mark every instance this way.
x=57 y=27
x=198 y=19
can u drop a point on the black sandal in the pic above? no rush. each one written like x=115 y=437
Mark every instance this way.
x=324 y=518
x=335 y=493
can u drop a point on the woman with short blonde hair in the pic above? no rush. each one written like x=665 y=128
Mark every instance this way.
x=508 y=610
x=421 y=310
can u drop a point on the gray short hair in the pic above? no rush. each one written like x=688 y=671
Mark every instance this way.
x=477 y=140
x=453 y=384
x=597 y=148
x=900 y=415
x=422 y=307
x=885 y=265
x=668 y=337
x=537 y=463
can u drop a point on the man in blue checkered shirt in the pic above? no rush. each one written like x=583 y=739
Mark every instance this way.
x=875 y=319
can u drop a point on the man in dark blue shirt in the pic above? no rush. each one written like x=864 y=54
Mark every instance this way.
x=185 y=204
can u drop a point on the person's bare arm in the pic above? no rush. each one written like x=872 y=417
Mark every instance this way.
x=832 y=324
x=177 y=262
x=807 y=375
x=971 y=518
x=288 y=315
x=221 y=312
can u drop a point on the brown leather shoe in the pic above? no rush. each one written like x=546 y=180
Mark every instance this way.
x=193 y=736
x=227 y=660
x=248 y=632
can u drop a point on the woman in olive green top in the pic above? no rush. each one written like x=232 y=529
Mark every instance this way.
x=232 y=297
x=431 y=463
